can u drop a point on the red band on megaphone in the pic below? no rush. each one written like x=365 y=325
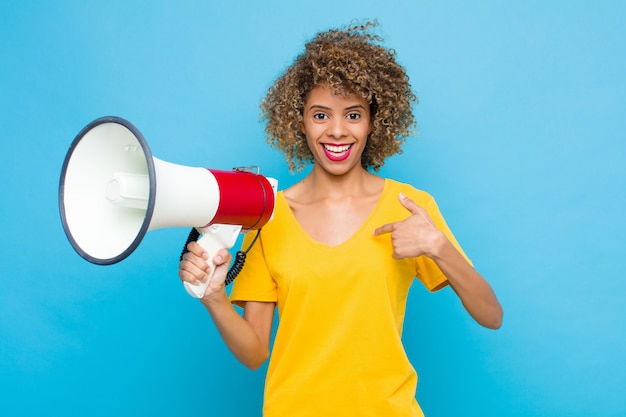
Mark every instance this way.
x=246 y=199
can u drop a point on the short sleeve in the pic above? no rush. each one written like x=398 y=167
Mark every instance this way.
x=254 y=282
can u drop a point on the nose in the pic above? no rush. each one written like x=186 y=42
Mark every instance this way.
x=337 y=128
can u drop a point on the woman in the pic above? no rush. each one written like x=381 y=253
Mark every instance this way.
x=344 y=246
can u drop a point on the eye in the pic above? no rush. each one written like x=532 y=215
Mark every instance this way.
x=353 y=116
x=320 y=116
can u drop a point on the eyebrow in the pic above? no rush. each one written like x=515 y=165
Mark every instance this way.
x=319 y=106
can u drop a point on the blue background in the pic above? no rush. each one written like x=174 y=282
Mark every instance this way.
x=521 y=116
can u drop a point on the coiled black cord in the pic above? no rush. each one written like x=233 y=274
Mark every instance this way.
x=193 y=237
x=240 y=256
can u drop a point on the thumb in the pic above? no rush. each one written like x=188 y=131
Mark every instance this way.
x=221 y=257
x=408 y=204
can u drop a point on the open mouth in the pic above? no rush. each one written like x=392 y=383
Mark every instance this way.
x=337 y=152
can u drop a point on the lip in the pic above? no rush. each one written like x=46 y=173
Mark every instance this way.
x=337 y=153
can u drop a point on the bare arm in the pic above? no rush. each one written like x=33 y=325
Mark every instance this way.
x=474 y=291
x=247 y=337
x=417 y=235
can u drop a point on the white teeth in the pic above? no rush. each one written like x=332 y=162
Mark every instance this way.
x=336 y=148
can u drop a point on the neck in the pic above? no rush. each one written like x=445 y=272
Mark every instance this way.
x=322 y=185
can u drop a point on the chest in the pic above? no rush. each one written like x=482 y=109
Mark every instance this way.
x=352 y=275
x=333 y=222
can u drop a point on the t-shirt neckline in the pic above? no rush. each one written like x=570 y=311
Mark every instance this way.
x=299 y=229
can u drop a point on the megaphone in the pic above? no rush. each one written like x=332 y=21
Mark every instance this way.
x=113 y=191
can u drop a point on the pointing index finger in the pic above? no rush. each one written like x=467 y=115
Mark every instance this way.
x=387 y=228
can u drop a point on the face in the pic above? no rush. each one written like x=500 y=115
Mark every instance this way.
x=336 y=129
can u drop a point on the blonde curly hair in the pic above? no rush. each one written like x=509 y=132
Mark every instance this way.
x=350 y=61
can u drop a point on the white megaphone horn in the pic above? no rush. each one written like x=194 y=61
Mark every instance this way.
x=112 y=192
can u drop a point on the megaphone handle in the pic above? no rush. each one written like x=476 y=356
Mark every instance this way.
x=212 y=239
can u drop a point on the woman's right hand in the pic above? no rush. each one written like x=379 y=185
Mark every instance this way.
x=194 y=268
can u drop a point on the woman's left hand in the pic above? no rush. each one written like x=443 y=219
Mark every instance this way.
x=414 y=236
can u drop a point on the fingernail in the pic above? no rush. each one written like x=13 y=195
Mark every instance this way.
x=402 y=196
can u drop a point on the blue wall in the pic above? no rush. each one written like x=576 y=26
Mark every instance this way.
x=521 y=115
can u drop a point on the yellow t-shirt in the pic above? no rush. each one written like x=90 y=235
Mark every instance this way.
x=338 y=349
